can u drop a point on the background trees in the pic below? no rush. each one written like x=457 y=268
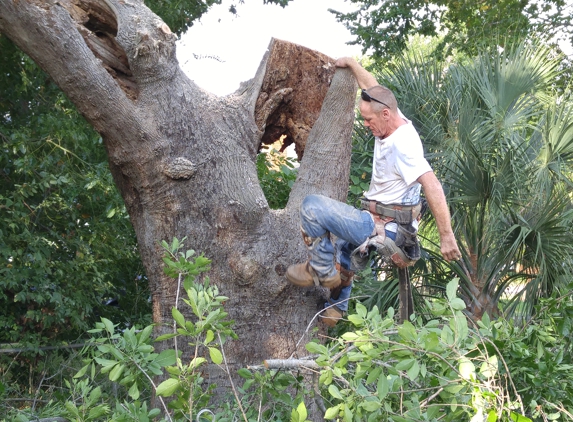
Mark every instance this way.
x=383 y=27
x=67 y=245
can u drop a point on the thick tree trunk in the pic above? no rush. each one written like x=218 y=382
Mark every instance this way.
x=184 y=159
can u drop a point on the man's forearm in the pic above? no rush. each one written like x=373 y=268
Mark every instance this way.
x=439 y=207
x=437 y=202
x=365 y=79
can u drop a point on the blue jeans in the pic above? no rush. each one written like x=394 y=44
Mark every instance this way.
x=320 y=215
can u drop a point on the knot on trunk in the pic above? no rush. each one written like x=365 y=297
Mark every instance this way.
x=148 y=44
x=179 y=168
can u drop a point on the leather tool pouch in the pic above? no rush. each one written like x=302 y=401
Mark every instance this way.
x=407 y=241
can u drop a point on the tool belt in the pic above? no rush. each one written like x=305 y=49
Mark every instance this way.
x=405 y=250
x=402 y=214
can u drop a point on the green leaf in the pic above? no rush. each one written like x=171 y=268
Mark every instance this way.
x=349 y=336
x=314 y=347
x=361 y=310
x=332 y=412
x=492 y=416
x=325 y=377
x=382 y=387
x=371 y=406
x=489 y=368
x=451 y=289
x=81 y=372
x=216 y=355
x=458 y=304
x=516 y=417
x=94 y=396
x=167 y=387
x=405 y=364
x=414 y=371
x=97 y=412
x=116 y=372
x=407 y=331
x=209 y=336
x=347 y=413
x=145 y=348
x=133 y=391
x=302 y=413
x=106 y=363
x=166 y=336
x=466 y=368
x=166 y=358
x=454 y=388
x=245 y=373
x=356 y=320
x=335 y=392
x=145 y=334
x=374 y=375
x=129 y=336
x=108 y=325
x=178 y=317
x=540 y=350
x=196 y=362
x=461 y=325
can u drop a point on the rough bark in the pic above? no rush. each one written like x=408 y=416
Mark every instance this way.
x=184 y=159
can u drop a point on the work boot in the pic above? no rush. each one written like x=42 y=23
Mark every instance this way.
x=302 y=275
x=346 y=278
x=330 y=316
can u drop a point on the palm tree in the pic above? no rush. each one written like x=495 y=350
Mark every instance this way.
x=501 y=140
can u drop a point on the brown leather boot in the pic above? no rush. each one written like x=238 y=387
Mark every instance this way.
x=346 y=278
x=330 y=316
x=302 y=275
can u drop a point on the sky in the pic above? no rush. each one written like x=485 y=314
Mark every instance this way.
x=239 y=42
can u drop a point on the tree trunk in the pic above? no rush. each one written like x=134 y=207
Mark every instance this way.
x=184 y=159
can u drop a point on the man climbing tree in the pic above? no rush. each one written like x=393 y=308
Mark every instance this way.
x=388 y=221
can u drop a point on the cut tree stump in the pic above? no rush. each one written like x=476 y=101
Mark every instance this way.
x=291 y=96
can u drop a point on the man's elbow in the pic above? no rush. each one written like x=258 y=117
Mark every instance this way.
x=427 y=179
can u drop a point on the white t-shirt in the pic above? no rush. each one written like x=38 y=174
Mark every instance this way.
x=398 y=162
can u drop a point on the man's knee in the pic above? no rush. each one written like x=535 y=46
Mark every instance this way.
x=312 y=202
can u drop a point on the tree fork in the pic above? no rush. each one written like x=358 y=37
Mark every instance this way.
x=184 y=160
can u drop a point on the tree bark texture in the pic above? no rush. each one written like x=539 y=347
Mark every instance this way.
x=184 y=159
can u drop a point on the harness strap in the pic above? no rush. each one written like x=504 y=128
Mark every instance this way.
x=345 y=275
x=314 y=275
x=403 y=214
x=311 y=242
x=379 y=231
x=385 y=245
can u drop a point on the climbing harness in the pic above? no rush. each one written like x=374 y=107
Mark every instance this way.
x=405 y=250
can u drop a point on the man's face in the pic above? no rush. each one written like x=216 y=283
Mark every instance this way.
x=376 y=122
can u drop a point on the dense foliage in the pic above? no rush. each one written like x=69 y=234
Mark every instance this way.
x=441 y=368
x=67 y=244
x=277 y=173
x=383 y=28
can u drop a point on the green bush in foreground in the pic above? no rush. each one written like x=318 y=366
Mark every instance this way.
x=444 y=369
x=447 y=370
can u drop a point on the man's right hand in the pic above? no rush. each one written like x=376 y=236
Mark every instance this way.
x=364 y=78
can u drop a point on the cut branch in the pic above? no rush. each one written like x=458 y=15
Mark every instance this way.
x=289 y=364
